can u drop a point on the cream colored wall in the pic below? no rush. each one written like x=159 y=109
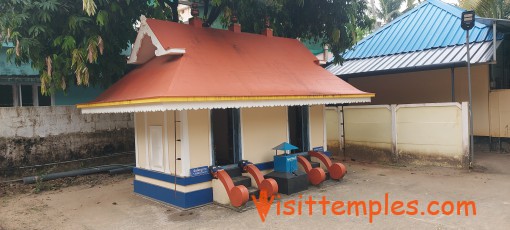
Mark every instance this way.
x=262 y=129
x=430 y=87
x=220 y=194
x=427 y=134
x=495 y=116
x=199 y=138
x=317 y=132
x=368 y=126
x=333 y=130
x=480 y=90
x=140 y=141
x=500 y=113
x=172 y=147
x=142 y=123
x=430 y=131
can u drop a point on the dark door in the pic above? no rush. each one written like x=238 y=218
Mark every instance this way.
x=225 y=136
x=298 y=127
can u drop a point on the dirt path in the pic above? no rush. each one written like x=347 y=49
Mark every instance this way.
x=113 y=205
x=58 y=207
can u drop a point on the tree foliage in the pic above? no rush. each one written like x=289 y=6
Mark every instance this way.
x=488 y=8
x=389 y=9
x=335 y=23
x=80 y=41
x=68 y=45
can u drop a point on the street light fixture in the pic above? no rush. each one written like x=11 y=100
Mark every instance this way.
x=468 y=20
x=467 y=23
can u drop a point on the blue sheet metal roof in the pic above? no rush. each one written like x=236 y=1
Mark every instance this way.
x=447 y=57
x=9 y=72
x=432 y=24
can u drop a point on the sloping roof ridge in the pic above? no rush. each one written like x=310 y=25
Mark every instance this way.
x=454 y=10
x=449 y=8
x=388 y=25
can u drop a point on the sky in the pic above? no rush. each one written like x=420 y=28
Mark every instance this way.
x=452 y=1
x=403 y=5
x=456 y=2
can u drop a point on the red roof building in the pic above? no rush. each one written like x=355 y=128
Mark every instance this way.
x=206 y=97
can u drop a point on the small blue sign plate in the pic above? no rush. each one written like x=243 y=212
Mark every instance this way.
x=318 y=149
x=204 y=170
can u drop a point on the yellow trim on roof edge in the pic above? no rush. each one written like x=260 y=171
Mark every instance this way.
x=206 y=99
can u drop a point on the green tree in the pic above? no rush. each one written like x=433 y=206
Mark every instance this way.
x=68 y=45
x=410 y=4
x=333 y=23
x=389 y=9
x=80 y=41
x=488 y=8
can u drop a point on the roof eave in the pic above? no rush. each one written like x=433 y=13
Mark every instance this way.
x=220 y=104
x=411 y=69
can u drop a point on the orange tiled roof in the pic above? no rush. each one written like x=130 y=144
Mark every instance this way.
x=224 y=64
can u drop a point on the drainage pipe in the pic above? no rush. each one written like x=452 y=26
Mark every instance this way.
x=71 y=161
x=78 y=172
x=121 y=170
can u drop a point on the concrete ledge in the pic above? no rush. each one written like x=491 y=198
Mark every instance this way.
x=368 y=154
x=423 y=159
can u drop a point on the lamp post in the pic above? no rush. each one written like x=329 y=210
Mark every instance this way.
x=467 y=23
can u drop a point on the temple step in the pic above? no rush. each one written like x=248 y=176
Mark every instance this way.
x=315 y=164
x=242 y=180
x=234 y=171
x=253 y=191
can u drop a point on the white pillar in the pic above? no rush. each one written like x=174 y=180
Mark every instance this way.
x=52 y=99
x=15 y=101
x=35 y=95
x=20 y=96
x=394 y=136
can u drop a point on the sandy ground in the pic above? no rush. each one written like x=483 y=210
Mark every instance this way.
x=112 y=204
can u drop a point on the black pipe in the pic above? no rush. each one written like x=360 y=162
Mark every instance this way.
x=121 y=170
x=69 y=161
x=11 y=181
x=78 y=172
